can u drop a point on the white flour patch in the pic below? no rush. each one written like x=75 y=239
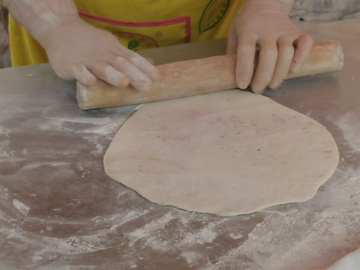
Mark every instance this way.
x=351 y=130
x=93 y=121
x=122 y=218
x=23 y=208
x=100 y=130
x=4 y=132
x=99 y=149
x=49 y=245
x=72 y=114
x=235 y=236
x=147 y=232
x=138 y=107
x=50 y=125
x=190 y=257
x=206 y=235
x=37 y=258
x=5 y=155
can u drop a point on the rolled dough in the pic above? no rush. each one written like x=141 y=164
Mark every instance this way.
x=226 y=153
x=349 y=262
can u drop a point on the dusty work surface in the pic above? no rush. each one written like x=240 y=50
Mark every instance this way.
x=58 y=210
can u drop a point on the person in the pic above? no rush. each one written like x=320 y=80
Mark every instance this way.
x=90 y=40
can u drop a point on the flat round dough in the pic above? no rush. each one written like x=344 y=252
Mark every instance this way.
x=349 y=262
x=225 y=153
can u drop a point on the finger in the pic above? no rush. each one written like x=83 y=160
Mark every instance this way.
x=231 y=41
x=266 y=66
x=246 y=51
x=285 y=56
x=83 y=75
x=107 y=73
x=137 y=78
x=151 y=61
x=303 y=46
x=144 y=66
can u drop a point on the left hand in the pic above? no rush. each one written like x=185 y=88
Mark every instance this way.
x=283 y=47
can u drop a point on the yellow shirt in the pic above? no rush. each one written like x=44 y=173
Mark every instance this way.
x=139 y=24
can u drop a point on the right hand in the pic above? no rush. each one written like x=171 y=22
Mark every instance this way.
x=77 y=50
x=283 y=47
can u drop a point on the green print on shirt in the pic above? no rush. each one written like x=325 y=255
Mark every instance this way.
x=213 y=14
x=132 y=45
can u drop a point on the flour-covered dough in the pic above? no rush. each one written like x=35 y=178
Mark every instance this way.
x=225 y=153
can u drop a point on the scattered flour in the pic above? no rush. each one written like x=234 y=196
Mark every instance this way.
x=309 y=235
x=190 y=257
x=206 y=235
x=24 y=209
x=349 y=124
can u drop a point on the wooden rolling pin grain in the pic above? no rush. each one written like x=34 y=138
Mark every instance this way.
x=194 y=77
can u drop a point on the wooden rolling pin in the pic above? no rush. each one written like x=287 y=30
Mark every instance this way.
x=194 y=77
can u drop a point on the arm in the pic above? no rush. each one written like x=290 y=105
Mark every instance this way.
x=265 y=25
x=40 y=16
x=77 y=50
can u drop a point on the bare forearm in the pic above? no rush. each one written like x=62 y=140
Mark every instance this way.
x=39 y=16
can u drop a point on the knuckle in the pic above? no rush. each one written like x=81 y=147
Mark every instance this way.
x=288 y=55
x=63 y=75
x=137 y=60
x=90 y=61
x=307 y=38
x=98 y=66
x=284 y=42
x=122 y=51
x=246 y=37
x=269 y=46
x=107 y=55
x=124 y=63
x=265 y=76
x=128 y=54
x=287 y=51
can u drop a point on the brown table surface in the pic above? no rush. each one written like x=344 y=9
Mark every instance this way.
x=58 y=209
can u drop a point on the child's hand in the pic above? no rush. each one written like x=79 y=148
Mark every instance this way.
x=77 y=50
x=80 y=51
x=265 y=24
